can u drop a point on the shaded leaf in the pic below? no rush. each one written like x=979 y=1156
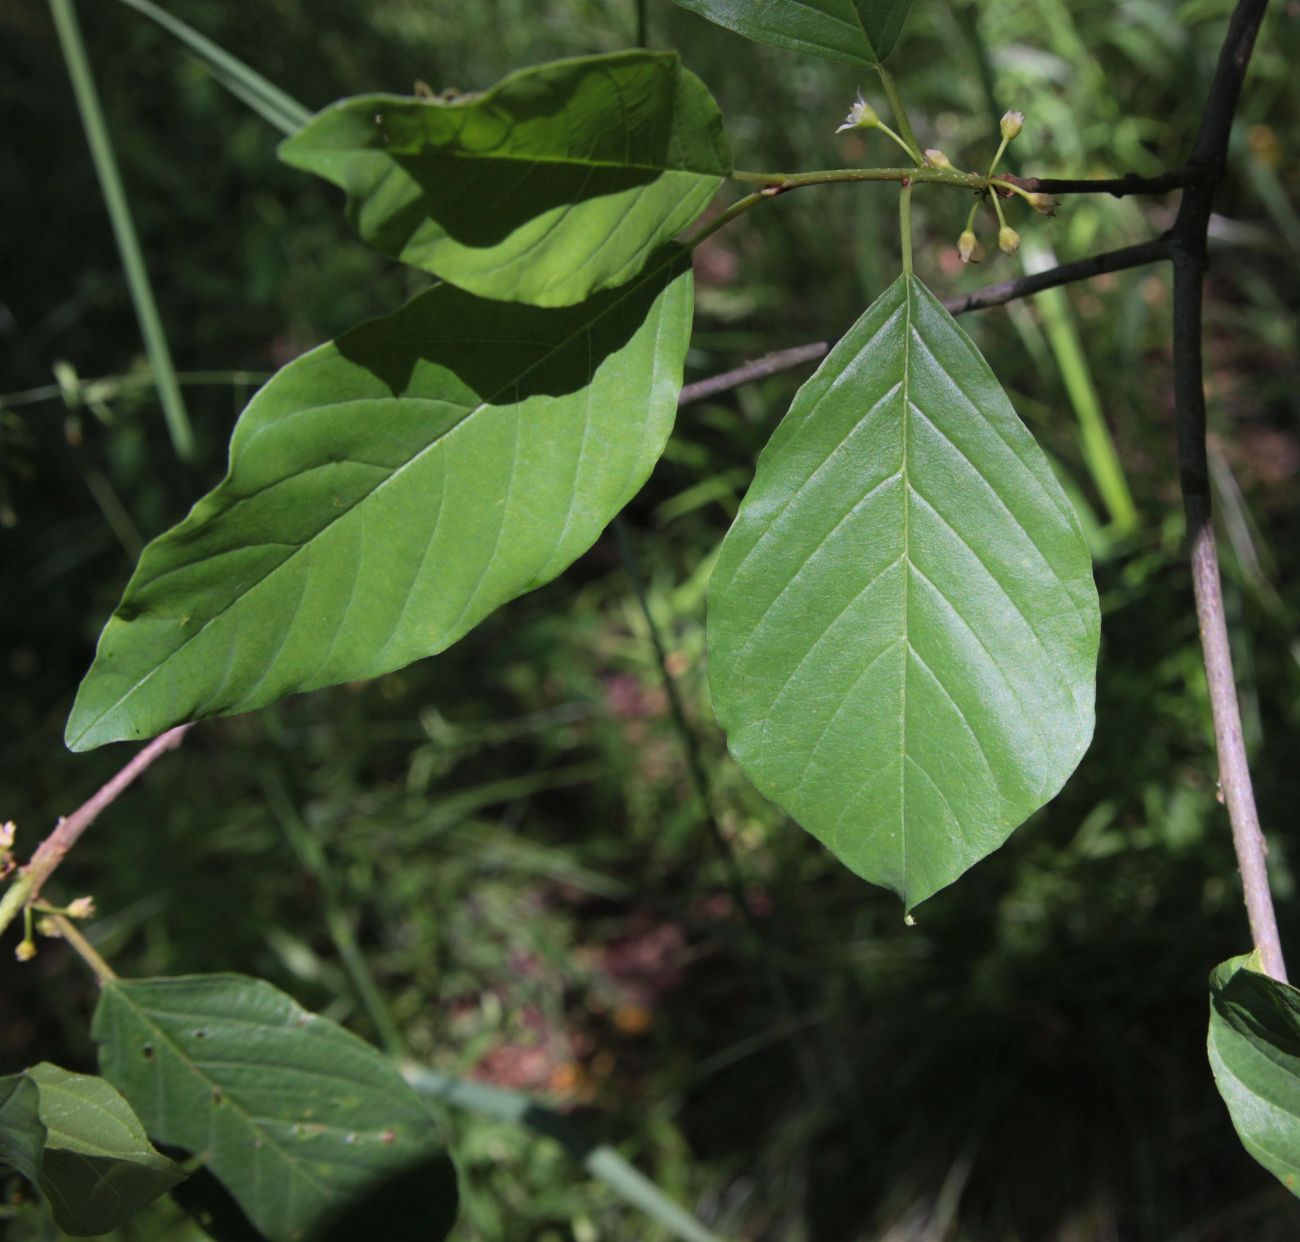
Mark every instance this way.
x=298 y=1119
x=903 y=624
x=388 y=491
x=1254 y=1047
x=77 y=1139
x=559 y=181
x=861 y=32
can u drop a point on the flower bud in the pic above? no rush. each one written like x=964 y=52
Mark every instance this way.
x=1008 y=239
x=8 y=831
x=25 y=951
x=1012 y=124
x=1044 y=204
x=82 y=908
x=936 y=158
x=861 y=116
x=966 y=246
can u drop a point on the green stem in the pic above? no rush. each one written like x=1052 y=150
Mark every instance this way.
x=738 y=208
x=83 y=948
x=912 y=147
x=884 y=129
x=905 y=226
x=119 y=212
x=1000 y=152
x=833 y=176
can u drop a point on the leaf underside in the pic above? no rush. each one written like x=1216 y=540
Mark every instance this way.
x=559 y=181
x=903 y=624
x=295 y=1116
x=77 y=1139
x=389 y=490
x=1254 y=1049
x=859 y=32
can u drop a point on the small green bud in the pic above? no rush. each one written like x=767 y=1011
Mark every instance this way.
x=26 y=950
x=861 y=116
x=936 y=158
x=1044 y=204
x=1008 y=239
x=966 y=246
x=82 y=908
x=1012 y=124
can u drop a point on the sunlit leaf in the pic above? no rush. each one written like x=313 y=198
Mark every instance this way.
x=1254 y=1046
x=301 y=1121
x=861 y=32
x=559 y=181
x=388 y=491
x=77 y=1139
x=903 y=624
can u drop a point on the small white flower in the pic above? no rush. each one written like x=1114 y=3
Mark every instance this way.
x=861 y=116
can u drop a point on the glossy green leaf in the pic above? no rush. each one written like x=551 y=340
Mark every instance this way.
x=1254 y=1046
x=388 y=491
x=299 y=1119
x=903 y=624
x=559 y=181
x=77 y=1139
x=861 y=32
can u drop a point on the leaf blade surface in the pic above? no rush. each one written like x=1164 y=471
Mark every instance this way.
x=559 y=181
x=858 y=32
x=294 y=1115
x=389 y=490
x=903 y=625
x=77 y=1138
x=1254 y=1050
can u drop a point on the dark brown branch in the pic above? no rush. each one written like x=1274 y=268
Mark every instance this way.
x=50 y=853
x=991 y=295
x=1067 y=273
x=1117 y=187
x=1187 y=243
x=770 y=364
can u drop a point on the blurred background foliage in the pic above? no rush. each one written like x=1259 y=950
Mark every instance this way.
x=512 y=832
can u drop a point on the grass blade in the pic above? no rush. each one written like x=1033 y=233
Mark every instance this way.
x=245 y=83
x=119 y=211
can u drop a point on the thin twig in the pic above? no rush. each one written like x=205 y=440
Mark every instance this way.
x=1116 y=187
x=70 y=932
x=1067 y=273
x=772 y=977
x=991 y=295
x=1187 y=240
x=26 y=888
x=769 y=364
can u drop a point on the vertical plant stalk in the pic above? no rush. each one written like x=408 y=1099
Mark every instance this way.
x=772 y=977
x=337 y=923
x=26 y=888
x=1187 y=241
x=900 y=114
x=119 y=213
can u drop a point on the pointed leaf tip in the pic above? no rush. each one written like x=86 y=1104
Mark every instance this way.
x=903 y=625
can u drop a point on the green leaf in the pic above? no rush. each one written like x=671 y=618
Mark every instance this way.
x=861 y=32
x=559 y=181
x=78 y=1140
x=903 y=624
x=299 y=1119
x=388 y=491
x=1254 y=1046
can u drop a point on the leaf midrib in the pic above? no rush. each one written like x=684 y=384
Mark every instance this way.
x=648 y=274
